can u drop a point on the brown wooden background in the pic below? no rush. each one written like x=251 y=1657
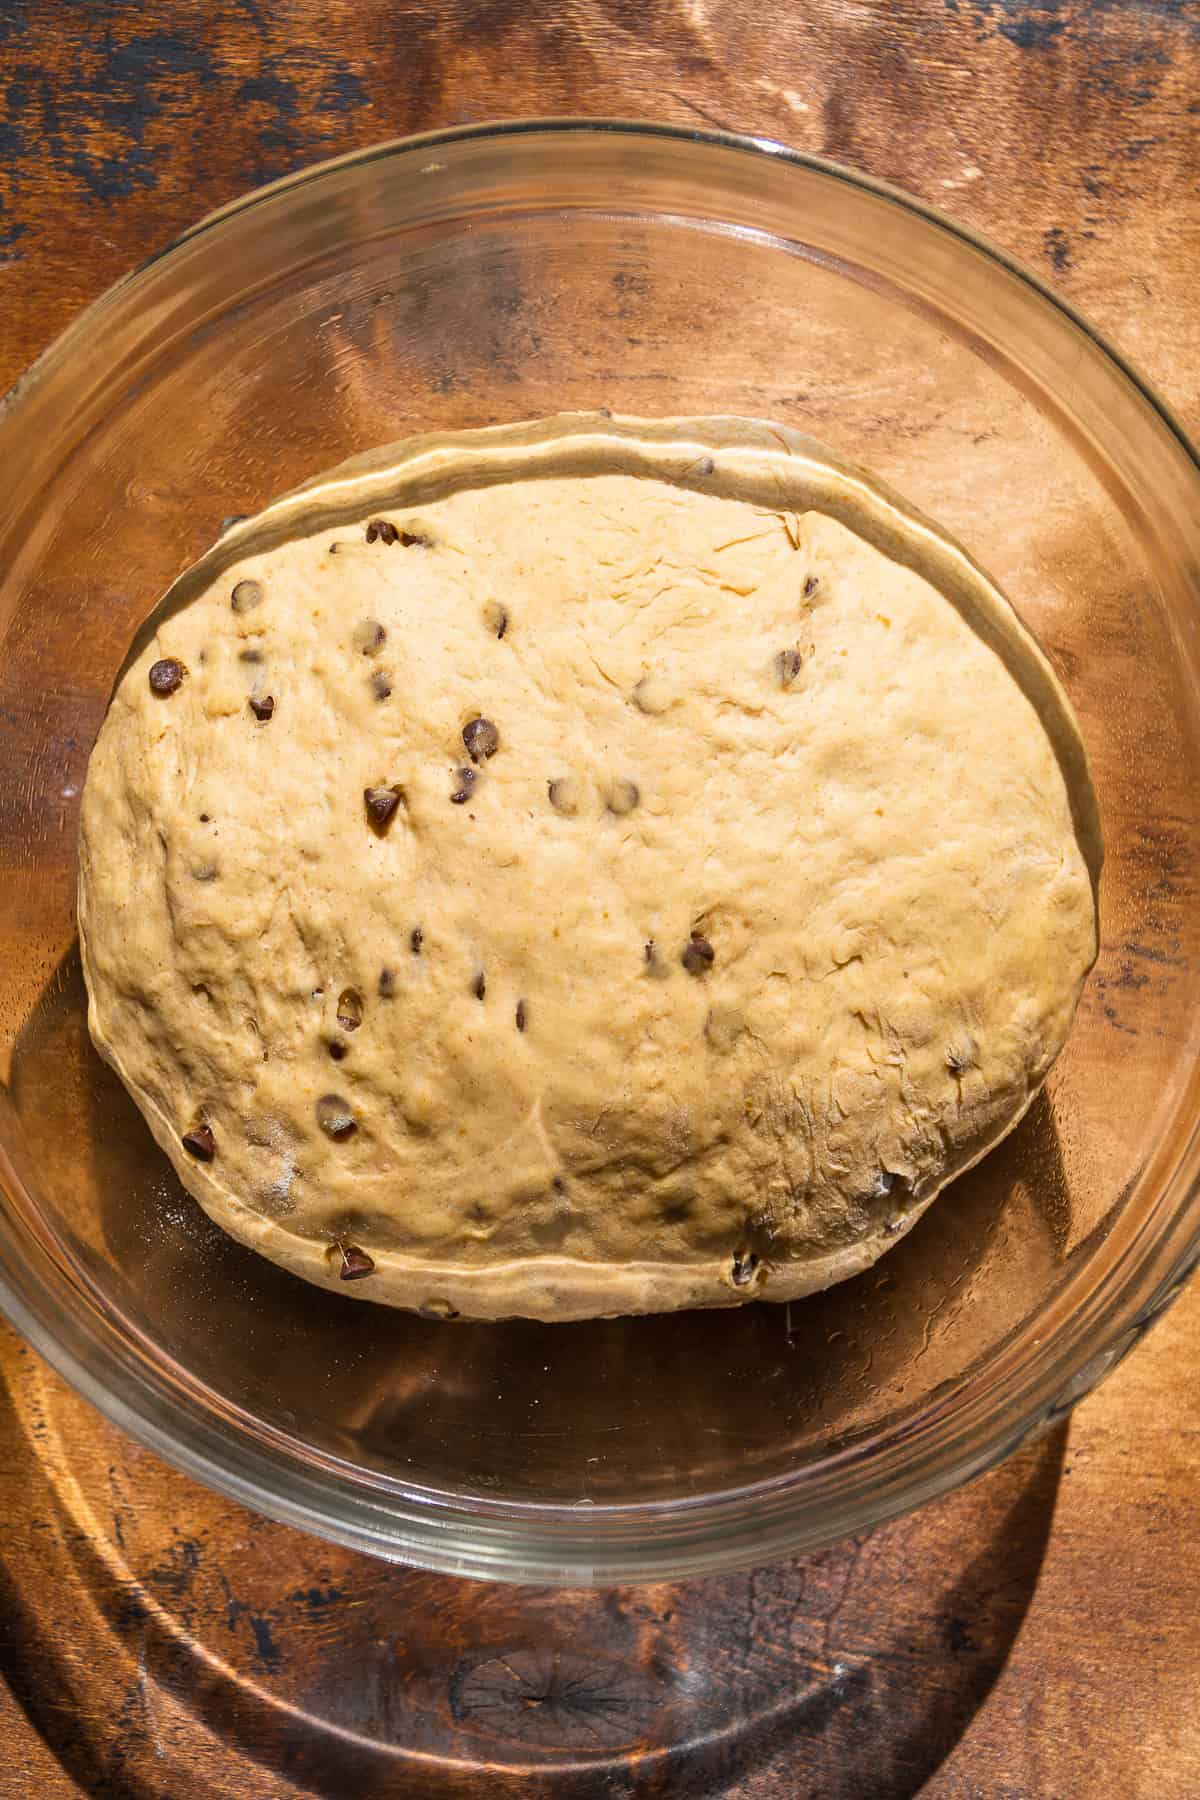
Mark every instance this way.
x=1036 y=1637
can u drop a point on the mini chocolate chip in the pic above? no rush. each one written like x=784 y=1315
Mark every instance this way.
x=200 y=1142
x=437 y=1309
x=655 y=965
x=246 y=596
x=698 y=955
x=466 y=779
x=349 y=1009
x=501 y=622
x=787 y=666
x=355 y=1263
x=381 y=803
x=811 y=584
x=622 y=797
x=382 y=529
x=744 y=1265
x=230 y=520
x=479 y=985
x=369 y=636
x=337 y=1049
x=481 y=738
x=262 y=709
x=386 y=985
x=416 y=938
x=408 y=538
x=250 y=656
x=522 y=1016
x=564 y=795
x=166 y=675
x=204 y=818
x=559 y=1185
x=381 y=686
x=334 y=1117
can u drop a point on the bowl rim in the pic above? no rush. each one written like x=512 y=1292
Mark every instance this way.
x=598 y=1544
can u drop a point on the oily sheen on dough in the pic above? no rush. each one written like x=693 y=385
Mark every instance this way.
x=765 y=916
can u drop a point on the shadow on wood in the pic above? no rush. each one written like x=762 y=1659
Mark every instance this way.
x=157 y=1659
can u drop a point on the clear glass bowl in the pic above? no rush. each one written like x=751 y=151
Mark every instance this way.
x=497 y=274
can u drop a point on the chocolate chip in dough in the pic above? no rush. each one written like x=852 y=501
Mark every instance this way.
x=246 y=596
x=479 y=985
x=698 y=955
x=337 y=1049
x=369 y=636
x=787 y=666
x=522 y=1016
x=811 y=584
x=745 y=1264
x=564 y=795
x=416 y=938
x=466 y=779
x=262 y=709
x=250 y=656
x=622 y=796
x=349 y=1009
x=437 y=1309
x=381 y=803
x=355 y=1263
x=381 y=685
x=481 y=738
x=496 y=617
x=199 y=1141
x=386 y=985
x=383 y=529
x=335 y=1117
x=166 y=675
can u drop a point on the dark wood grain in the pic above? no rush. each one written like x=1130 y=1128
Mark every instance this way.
x=1033 y=1638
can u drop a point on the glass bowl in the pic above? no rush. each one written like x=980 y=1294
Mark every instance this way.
x=501 y=273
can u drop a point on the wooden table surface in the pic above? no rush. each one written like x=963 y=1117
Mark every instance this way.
x=1034 y=1637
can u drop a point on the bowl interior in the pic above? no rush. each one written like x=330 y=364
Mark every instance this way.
x=493 y=277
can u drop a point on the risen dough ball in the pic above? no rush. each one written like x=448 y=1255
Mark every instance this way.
x=589 y=867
